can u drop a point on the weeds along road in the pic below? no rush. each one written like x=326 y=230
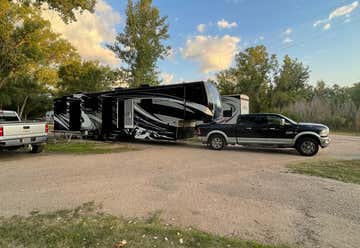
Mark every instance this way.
x=241 y=192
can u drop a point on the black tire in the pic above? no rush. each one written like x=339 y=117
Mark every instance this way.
x=217 y=142
x=36 y=148
x=307 y=146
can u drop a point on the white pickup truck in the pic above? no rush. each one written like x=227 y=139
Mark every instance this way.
x=15 y=134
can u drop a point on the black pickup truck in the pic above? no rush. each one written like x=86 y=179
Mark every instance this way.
x=270 y=130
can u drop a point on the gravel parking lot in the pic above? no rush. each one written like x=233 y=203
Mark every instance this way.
x=242 y=192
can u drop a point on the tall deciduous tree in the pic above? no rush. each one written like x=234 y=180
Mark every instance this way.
x=141 y=44
x=65 y=8
x=291 y=83
x=251 y=75
x=88 y=76
x=29 y=54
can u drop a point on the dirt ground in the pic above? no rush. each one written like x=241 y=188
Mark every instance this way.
x=236 y=192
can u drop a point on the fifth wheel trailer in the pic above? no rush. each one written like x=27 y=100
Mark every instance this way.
x=161 y=113
x=168 y=112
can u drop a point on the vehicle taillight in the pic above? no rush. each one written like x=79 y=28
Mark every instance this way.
x=46 y=128
x=1 y=131
x=198 y=132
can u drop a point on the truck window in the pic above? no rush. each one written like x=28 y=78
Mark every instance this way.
x=9 y=118
x=252 y=120
x=273 y=120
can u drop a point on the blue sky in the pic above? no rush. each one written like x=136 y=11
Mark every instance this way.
x=324 y=34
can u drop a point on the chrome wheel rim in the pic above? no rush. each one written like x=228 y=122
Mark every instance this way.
x=217 y=143
x=308 y=147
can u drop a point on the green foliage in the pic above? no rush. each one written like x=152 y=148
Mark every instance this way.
x=290 y=83
x=88 y=226
x=354 y=93
x=65 y=8
x=330 y=105
x=343 y=170
x=29 y=53
x=251 y=75
x=140 y=45
x=87 y=147
x=84 y=76
x=286 y=89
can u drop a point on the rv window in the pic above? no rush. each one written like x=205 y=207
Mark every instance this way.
x=195 y=93
x=214 y=100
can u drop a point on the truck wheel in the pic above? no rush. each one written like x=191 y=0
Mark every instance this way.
x=216 y=142
x=307 y=146
x=36 y=148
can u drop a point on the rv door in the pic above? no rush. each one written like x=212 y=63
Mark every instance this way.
x=129 y=113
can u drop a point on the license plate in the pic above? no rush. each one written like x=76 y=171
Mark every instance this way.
x=25 y=140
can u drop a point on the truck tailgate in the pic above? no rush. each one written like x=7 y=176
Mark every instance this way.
x=15 y=130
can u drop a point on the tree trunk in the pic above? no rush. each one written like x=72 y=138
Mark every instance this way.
x=23 y=106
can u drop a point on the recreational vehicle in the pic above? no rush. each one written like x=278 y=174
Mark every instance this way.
x=167 y=112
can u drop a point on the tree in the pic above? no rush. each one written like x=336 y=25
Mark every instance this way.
x=354 y=92
x=65 y=8
x=251 y=75
x=88 y=76
x=29 y=55
x=291 y=83
x=140 y=45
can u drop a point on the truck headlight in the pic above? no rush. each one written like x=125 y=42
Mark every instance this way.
x=324 y=132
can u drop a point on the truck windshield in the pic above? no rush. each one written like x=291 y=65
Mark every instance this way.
x=214 y=100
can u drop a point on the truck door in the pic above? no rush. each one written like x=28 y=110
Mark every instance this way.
x=277 y=132
x=250 y=128
x=244 y=127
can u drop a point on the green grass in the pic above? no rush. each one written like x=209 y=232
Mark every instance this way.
x=87 y=226
x=85 y=147
x=347 y=171
x=348 y=133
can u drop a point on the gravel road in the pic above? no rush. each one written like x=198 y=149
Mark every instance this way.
x=240 y=192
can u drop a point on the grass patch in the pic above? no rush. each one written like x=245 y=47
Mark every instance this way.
x=87 y=226
x=347 y=171
x=86 y=147
x=347 y=133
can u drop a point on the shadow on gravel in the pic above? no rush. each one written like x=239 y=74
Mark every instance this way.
x=197 y=145
x=16 y=155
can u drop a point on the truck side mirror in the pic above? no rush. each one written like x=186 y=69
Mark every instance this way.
x=282 y=122
x=227 y=113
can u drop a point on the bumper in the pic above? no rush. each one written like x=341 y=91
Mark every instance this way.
x=23 y=141
x=324 y=141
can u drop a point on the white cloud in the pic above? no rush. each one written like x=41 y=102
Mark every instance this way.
x=261 y=38
x=89 y=32
x=327 y=26
x=318 y=22
x=212 y=52
x=167 y=78
x=288 y=31
x=201 y=28
x=225 y=24
x=287 y=40
x=344 y=10
x=339 y=12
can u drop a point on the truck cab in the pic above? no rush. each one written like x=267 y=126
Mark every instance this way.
x=268 y=130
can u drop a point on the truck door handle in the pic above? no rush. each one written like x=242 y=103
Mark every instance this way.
x=272 y=128
x=26 y=127
x=248 y=128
